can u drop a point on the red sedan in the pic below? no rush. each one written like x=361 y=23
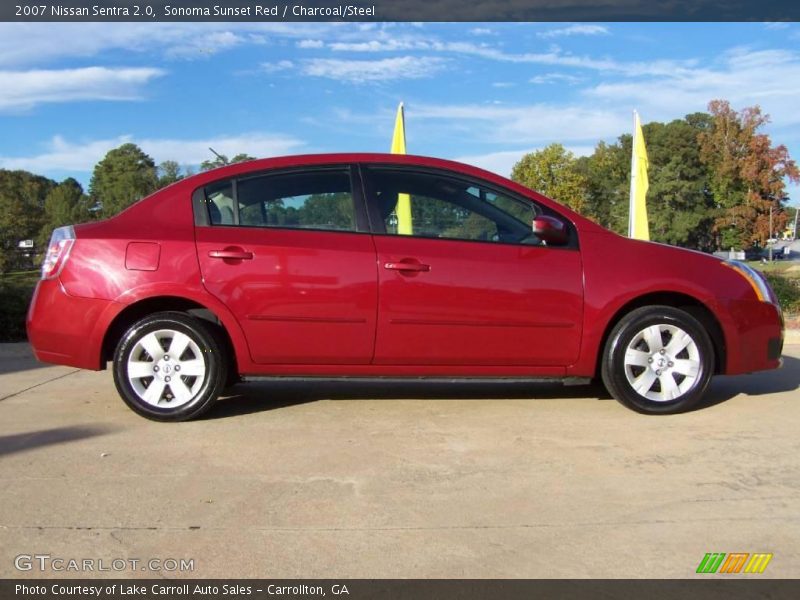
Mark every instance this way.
x=374 y=265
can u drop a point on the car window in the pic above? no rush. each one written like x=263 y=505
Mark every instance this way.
x=438 y=206
x=219 y=199
x=319 y=199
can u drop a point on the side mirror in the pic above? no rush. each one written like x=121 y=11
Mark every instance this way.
x=550 y=230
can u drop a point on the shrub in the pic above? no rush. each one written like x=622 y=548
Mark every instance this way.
x=787 y=289
x=16 y=290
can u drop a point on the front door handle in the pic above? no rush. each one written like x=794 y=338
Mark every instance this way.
x=231 y=254
x=407 y=265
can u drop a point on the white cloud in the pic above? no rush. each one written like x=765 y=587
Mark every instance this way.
x=36 y=43
x=362 y=71
x=310 y=44
x=212 y=42
x=382 y=45
x=770 y=78
x=529 y=124
x=20 y=90
x=481 y=31
x=62 y=155
x=552 y=56
x=281 y=65
x=555 y=78
x=26 y=44
x=496 y=162
x=575 y=30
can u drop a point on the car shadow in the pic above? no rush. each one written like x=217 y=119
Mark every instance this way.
x=262 y=396
x=21 y=442
x=254 y=397
x=723 y=388
x=18 y=356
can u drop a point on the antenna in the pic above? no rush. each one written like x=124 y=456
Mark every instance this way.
x=224 y=159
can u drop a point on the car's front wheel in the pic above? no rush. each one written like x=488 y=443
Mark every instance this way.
x=168 y=367
x=658 y=360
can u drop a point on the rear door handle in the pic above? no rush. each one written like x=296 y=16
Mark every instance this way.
x=405 y=265
x=231 y=254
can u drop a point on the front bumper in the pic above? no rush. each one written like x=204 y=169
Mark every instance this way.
x=754 y=336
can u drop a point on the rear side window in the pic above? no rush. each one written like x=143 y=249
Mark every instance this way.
x=321 y=199
x=219 y=199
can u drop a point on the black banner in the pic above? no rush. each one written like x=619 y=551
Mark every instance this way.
x=399 y=10
x=714 y=588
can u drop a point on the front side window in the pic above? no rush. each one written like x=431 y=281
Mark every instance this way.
x=438 y=206
x=319 y=199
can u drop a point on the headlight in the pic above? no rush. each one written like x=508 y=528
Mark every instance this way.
x=755 y=279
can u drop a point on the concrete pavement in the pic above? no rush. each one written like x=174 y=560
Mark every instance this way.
x=413 y=480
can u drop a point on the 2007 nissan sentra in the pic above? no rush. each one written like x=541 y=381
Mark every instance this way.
x=377 y=265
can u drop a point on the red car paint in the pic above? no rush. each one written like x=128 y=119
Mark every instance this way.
x=302 y=302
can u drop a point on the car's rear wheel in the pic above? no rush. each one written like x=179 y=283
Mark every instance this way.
x=658 y=360
x=168 y=367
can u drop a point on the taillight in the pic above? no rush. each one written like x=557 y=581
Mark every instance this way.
x=58 y=251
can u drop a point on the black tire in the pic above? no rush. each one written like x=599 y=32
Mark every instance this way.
x=648 y=387
x=191 y=394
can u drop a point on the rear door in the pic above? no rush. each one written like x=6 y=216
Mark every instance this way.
x=463 y=281
x=289 y=254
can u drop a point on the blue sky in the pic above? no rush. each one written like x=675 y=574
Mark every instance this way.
x=481 y=93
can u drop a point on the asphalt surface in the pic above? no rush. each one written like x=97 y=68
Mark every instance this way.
x=414 y=480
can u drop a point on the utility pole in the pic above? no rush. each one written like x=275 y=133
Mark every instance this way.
x=771 y=243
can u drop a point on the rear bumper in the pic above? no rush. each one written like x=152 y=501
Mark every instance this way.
x=64 y=329
x=754 y=336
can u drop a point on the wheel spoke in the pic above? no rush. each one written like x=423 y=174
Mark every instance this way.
x=644 y=382
x=153 y=347
x=139 y=368
x=179 y=389
x=686 y=367
x=652 y=335
x=195 y=367
x=154 y=391
x=680 y=340
x=178 y=345
x=669 y=389
x=636 y=358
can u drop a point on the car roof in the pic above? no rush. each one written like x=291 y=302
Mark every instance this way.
x=299 y=160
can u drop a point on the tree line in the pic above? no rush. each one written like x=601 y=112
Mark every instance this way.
x=713 y=179
x=31 y=206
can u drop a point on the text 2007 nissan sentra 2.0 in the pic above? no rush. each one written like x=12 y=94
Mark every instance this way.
x=374 y=265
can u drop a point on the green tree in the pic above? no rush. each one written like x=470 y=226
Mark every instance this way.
x=606 y=173
x=169 y=172
x=124 y=176
x=553 y=172
x=22 y=198
x=64 y=204
x=680 y=206
x=221 y=160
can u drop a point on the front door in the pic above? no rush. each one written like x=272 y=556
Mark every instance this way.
x=284 y=252
x=467 y=283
